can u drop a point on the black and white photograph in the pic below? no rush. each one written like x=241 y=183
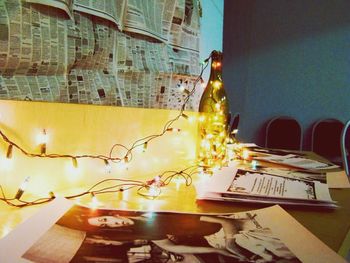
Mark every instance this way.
x=86 y=235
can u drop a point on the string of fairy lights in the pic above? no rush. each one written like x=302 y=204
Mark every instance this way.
x=149 y=189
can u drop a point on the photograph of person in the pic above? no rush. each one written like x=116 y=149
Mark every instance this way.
x=86 y=235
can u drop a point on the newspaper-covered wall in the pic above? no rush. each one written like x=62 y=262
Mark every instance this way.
x=112 y=52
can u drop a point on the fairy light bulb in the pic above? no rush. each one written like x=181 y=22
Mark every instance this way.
x=201 y=118
x=183 y=115
x=108 y=167
x=42 y=140
x=22 y=188
x=145 y=146
x=75 y=162
x=153 y=191
x=217 y=84
x=203 y=84
x=254 y=164
x=94 y=201
x=173 y=129
x=245 y=154
x=9 y=151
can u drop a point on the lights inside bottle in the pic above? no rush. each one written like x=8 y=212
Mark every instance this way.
x=245 y=154
x=217 y=84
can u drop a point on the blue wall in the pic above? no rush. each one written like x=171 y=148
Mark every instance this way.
x=286 y=58
x=211 y=29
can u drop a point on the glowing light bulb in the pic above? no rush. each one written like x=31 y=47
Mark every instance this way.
x=254 y=164
x=75 y=162
x=6 y=164
x=217 y=106
x=184 y=116
x=22 y=188
x=217 y=84
x=191 y=119
x=108 y=167
x=153 y=191
x=42 y=139
x=94 y=201
x=209 y=136
x=245 y=154
x=174 y=129
x=235 y=131
x=145 y=146
x=9 y=151
x=201 y=118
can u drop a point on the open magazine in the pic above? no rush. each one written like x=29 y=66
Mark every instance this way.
x=62 y=232
x=275 y=186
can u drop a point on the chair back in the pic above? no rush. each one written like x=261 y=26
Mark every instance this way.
x=325 y=139
x=345 y=147
x=283 y=132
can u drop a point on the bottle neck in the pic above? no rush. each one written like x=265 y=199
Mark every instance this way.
x=216 y=70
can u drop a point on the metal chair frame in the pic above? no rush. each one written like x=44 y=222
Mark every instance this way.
x=344 y=150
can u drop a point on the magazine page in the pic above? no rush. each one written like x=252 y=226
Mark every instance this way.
x=82 y=234
x=243 y=183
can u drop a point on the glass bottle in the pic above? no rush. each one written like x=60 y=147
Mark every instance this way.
x=213 y=120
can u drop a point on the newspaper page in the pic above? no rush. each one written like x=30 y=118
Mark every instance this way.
x=185 y=27
x=150 y=18
x=47 y=56
x=61 y=232
x=107 y=9
x=65 y=5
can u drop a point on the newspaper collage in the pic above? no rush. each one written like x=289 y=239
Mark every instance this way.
x=110 y=52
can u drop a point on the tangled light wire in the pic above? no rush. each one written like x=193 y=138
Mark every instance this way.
x=119 y=185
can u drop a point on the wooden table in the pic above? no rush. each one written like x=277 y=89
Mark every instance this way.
x=330 y=226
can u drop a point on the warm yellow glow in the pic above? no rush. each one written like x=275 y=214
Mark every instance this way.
x=153 y=190
x=5 y=230
x=254 y=164
x=217 y=106
x=42 y=137
x=217 y=84
x=209 y=136
x=94 y=202
x=6 y=164
x=24 y=184
x=75 y=129
x=73 y=173
x=201 y=118
x=245 y=154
